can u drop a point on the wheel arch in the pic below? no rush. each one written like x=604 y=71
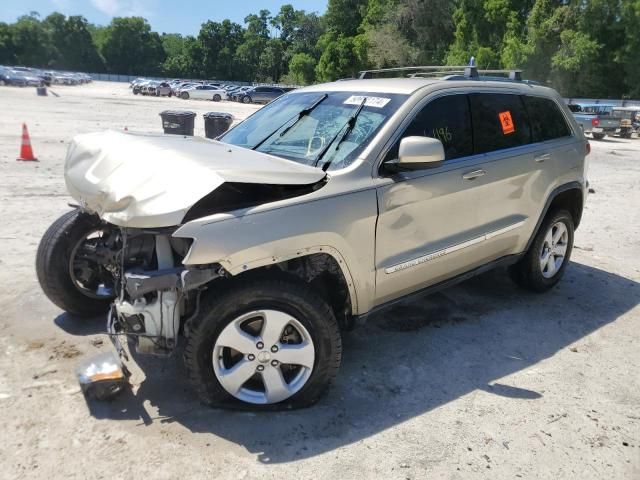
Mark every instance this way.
x=322 y=266
x=570 y=197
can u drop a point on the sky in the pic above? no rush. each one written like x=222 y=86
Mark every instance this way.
x=174 y=16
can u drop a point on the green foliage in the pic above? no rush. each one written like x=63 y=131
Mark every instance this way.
x=302 y=68
x=73 y=43
x=581 y=47
x=341 y=58
x=130 y=47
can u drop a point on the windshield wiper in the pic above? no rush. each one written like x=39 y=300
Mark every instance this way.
x=349 y=126
x=299 y=116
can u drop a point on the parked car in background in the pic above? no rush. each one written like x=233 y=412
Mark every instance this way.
x=183 y=85
x=238 y=92
x=260 y=94
x=629 y=120
x=597 y=119
x=163 y=89
x=149 y=88
x=204 y=92
x=9 y=77
x=31 y=79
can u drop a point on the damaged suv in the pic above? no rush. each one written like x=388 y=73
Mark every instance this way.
x=326 y=205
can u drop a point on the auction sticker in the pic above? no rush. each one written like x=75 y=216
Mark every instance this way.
x=377 y=102
x=507 y=122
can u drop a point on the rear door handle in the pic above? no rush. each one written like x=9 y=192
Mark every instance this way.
x=474 y=174
x=542 y=158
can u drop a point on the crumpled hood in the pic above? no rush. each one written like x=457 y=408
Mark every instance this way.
x=151 y=181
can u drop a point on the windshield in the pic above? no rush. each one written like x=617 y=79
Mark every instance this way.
x=628 y=114
x=317 y=134
x=597 y=109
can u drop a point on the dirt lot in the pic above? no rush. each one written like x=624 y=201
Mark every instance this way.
x=479 y=381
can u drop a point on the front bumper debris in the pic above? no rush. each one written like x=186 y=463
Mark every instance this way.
x=102 y=376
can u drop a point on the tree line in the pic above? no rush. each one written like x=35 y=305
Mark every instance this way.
x=588 y=48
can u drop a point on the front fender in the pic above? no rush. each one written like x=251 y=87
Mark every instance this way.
x=342 y=226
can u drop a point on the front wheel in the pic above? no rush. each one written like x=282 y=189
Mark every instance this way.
x=70 y=264
x=544 y=264
x=246 y=99
x=184 y=96
x=263 y=345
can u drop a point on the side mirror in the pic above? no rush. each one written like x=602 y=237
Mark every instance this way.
x=417 y=153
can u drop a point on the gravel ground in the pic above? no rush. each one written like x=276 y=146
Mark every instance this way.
x=479 y=381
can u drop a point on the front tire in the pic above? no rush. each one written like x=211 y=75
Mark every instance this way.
x=246 y=99
x=263 y=344
x=184 y=96
x=56 y=261
x=548 y=256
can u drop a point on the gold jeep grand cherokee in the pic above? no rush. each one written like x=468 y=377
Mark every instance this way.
x=258 y=249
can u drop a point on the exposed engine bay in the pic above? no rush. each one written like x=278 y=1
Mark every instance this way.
x=151 y=291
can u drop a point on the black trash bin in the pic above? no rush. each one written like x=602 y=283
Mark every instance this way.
x=216 y=123
x=178 y=122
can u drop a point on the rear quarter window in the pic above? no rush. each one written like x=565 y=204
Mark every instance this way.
x=547 y=121
x=499 y=121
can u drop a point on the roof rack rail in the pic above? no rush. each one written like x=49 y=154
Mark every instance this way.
x=467 y=71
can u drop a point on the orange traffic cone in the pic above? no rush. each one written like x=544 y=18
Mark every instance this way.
x=26 y=153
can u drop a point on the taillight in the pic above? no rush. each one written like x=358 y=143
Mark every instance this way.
x=595 y=122
x=587 y=148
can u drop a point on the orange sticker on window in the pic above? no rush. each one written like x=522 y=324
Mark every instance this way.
x=507 y=122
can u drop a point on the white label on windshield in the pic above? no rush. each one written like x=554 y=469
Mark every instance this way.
x=377 y=102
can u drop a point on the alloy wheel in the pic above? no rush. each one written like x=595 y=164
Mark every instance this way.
x=263 y=357
x=554 y=249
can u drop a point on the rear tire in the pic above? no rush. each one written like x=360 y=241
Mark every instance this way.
x=246 y=99
x=598 y=136
x=217 y=98
x=532 y=271
x=184 y=96
x=53 y=262
x=223 y=307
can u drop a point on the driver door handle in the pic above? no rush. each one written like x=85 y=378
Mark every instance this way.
x=474 y=174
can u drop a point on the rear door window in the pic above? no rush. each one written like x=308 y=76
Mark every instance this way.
x=499 y=121
x=547 y=121
x=447 y=119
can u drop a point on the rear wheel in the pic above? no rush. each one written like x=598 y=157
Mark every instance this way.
x=263 y=345
x=184 y=96
x=70 y=264
x=246 y=99
x=546 y=260
x=217 y=98
x=598 y=136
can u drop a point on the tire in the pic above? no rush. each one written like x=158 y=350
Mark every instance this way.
x=184 y=96
x=598 y=136
x=222 y=309
x=246 y=99
x=529 y=272
x=170 y=93
x=53 y=262
x=217 y=98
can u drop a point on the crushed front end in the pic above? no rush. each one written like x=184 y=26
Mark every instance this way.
x=155 y=293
